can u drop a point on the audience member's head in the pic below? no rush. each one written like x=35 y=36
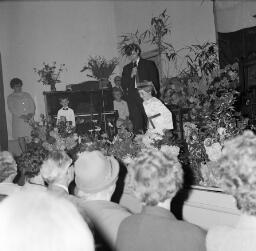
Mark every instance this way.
x=56 y=168
x=237 y=171
x=155 y=177
x=117 y=93
x=95 y=175
x=36 y=220
x=8 y=167
x=117 y=81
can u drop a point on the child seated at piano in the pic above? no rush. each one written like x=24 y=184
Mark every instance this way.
x=122 y=108
x=159 y=116
x=66 y=114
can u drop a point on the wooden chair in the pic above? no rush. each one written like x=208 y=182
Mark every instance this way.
x=179 y=116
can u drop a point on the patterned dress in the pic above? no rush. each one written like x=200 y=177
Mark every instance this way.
x=20 y=104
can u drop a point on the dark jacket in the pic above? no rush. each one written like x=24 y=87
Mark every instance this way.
x=157 y=229
x=147 y=70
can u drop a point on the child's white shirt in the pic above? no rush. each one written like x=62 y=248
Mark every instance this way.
x=159 y=116
x=68 y=113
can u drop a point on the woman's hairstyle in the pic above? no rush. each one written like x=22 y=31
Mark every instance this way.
x=237 y=171
x=55 y=166
x=155 y=176
x=8 y=166
x=130 y=48
x=32 y=219
x=15 y=81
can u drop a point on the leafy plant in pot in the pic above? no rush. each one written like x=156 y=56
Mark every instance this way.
x=101 y=69
x=50 y=74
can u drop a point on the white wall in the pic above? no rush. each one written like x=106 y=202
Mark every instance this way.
x=33 y=32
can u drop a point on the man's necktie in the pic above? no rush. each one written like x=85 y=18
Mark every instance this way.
x=137 y=79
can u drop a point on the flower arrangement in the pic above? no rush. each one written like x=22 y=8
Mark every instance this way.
x=100 y=67
x=92 y=143
x=50 y=74
x=56 y=140
x=124 y=147
x=51 y=136
x=40 y=129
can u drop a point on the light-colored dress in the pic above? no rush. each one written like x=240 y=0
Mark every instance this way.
x=242 y=237
x=159 y=116
x=20 y=104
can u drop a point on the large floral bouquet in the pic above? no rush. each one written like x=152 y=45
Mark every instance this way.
x=40 y=129
x=58 y=140
x=166 y=143
x=100 y=67
x=50 y=73
x=96 y=142
x=51 y=136
x=124 y=147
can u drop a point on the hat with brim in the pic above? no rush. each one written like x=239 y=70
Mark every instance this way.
x=146 y=85
x=95 y=172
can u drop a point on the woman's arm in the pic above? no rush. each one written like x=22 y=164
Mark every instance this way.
x=32 y=106
x=12 y=106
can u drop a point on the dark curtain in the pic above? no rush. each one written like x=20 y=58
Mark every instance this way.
x=3 y=125
x=236 y=46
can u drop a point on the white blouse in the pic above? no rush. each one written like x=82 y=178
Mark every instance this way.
x=159 y=116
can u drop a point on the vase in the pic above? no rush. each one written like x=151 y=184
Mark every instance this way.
x=53 y=87
x=104 y=83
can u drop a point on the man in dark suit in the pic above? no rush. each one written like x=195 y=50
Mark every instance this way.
x=136 y=71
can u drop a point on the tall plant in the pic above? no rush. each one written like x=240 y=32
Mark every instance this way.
x=127 y=38
x=201 y=59
x=158 y=33
x=100 y=67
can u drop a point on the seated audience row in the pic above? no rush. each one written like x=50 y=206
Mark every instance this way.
x=155 y=178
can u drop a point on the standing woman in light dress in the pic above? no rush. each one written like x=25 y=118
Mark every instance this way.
x=22 y=107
